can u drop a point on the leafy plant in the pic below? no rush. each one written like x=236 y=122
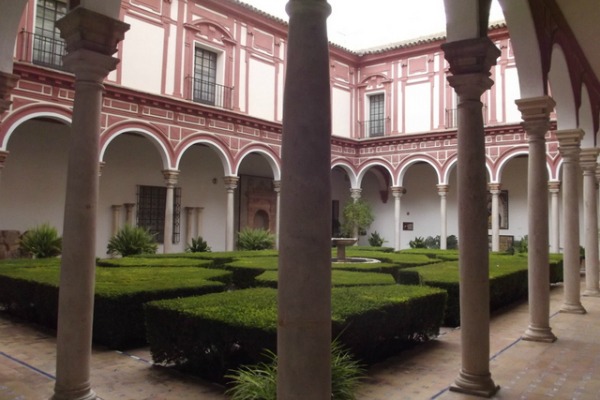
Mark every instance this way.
x=358 y=216
x=41 y=242
x=259 y=382
x=432 y=242
x=376 y=240
x=255 y=239
x=131 y=240
x=198 y=245
x=417 y=243
x=452 y=242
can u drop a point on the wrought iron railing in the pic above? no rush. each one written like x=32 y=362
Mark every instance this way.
x=374 y=127
x=211 y=93
x=42 y=50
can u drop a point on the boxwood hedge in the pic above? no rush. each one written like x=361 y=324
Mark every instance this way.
x=338 y=278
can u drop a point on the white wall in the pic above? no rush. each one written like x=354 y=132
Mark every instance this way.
x=261 y=90
x=341 y=106
x=418 y=107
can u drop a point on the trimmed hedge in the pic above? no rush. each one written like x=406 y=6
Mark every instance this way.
x=402 y=260
x=445 y=255
x=153 y=262
x=245 y=270
x=338 y=278
x=32 y=293
x=211 y=334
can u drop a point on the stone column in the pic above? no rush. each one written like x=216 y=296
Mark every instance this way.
x=3 y=157
x=116 y=218
x=129 y=214
x=443 y=191
x=554 y=189
x=535 y=113
x=199 y=221
x=590 y=204
x=91 y=40
x=277 y=189
x=189 y=224
x=304 y=295
x=230 y=186
x=355 y=194
x=494 y=217
x=569 y=147
x=397 y=192
x=7 y=84
x=470 y=62
x=170 y=182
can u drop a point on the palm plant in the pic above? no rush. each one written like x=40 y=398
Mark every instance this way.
x=41 y=242
x=132 y=240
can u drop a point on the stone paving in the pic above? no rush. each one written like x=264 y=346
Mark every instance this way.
x=566 y=369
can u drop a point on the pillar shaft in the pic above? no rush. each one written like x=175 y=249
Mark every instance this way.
x=470 y=62
x=355 y=194
x=91 y=39
x=230 y=186
x=189 y=224
x=116 y=218
x=170 y=182
x=130 y=214
x=277 y=189
x=554 y=189
x=495 y=216
x=443 y=191
x=536 y=121
x=569 y=147
x=590 y=205
x=397 y=192
x=198 y=224
x=304 y=291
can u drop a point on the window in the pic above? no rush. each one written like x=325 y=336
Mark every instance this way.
x=48 y=47
x=376 y=125
x=151 y=203
x=205 y=76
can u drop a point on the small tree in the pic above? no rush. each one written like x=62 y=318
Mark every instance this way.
x=358 y=216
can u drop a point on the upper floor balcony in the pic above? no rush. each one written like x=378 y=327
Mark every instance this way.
x=211 y=93
x=374 y=127
x=41 y=50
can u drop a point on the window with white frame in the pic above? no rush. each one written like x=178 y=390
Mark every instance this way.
x=376 y=123
x=48 y=47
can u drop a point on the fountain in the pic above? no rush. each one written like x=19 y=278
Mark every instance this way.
x=341 y=244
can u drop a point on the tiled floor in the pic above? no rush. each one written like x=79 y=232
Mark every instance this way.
x=566 y=369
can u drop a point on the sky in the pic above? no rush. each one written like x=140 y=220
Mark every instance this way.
x=359 y=27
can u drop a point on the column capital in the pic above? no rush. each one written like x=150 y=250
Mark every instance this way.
x=277 y=186
x=7 y=83
x=198 y=209
x=554 y=186
x=170 y=176
x=535 y=112
x=588 y=160
x=471 y=56
x=320 y=7
x=231 y=182
x=598 y=172
x=116 y=207
x=355 y=193
x=443 y=189
x=398 y=191
x=569 y=142
x=494 y=188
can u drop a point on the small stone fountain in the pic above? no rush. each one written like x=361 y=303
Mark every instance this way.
x=341 y=244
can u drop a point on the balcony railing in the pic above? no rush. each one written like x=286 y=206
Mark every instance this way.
x=42 y=50
x=374 y=127
x=213 y=94
x=452 y=117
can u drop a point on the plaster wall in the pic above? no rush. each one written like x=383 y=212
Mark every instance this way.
x=341 y=106
x=418 y=108
x=261 y=90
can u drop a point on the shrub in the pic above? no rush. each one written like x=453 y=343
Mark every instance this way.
x=260 y=381
x=130 y=241
x=41 y=242
x=376 y=240
x=198 y=245
x=255 y=239
x=358 y=216
x=417 y=243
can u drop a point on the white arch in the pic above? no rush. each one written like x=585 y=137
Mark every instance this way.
x=346 y=166
x=373 y=163
x=162 y=150
x=412 y=162
x=562 y=90
x=270 y=158
x=217 y=147
x=31 y=116
x=452 y=165
x=504 y=161
x=586 y=120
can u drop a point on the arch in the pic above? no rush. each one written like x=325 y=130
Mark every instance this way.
x=24 y=114
x=453 y=161
x=266 y=152
x=413 y=160
x=382 y=164
x=147 y=130
x=348 y=168
x=208 y=140
x=211 y=30
x=379 y=77
x=586 y=119
x=504 y=159
x=562 y=91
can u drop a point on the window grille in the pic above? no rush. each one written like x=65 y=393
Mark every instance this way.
x=48 y=47
x=376 y=123
x=151 y=206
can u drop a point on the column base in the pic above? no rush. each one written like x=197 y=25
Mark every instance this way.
x=535 y=334
x=572 y=309
x=591 y=293
x=88 y=395
x=476 y=385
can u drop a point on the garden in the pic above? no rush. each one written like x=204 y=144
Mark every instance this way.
x=212 y=313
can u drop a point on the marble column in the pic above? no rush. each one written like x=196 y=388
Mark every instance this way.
x=589 y=163
x=470 y=62
x=355 y=194
x=397 y=192
x=170 y=181
x=535 y=113
x=91 y=39
x=569 y=147
x=495 y=216
x=189 y=224
x=277 y=189
x=230 y=186
x=130 y=214
x=554 y=189
x=7 y=84
x=198 y=225
x=116 y=218
x=443 y=192
x=304 y=294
